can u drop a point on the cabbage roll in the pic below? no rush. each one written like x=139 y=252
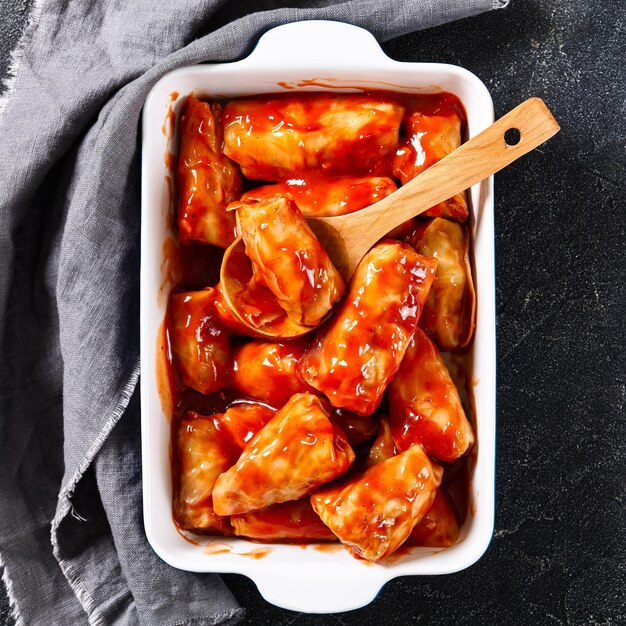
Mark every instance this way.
x=242 y=420
x=274 y=138
x=203 y=453
x=289 y=260
x=429 y=138
x=292 y=521
x=353 y=358
x=207 y=180
x=267 y=371
x=200 y=341
x=425 y=407
x=449 y=312
x=295 y=452
x=439 y=528
x=384 y=447
x=375 y=512
x=328 y=196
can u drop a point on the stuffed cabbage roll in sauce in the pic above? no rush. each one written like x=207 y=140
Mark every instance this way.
x=295 y=452
x=200 y=341
x=206 y=446
x=353 y=358
x=373 y=513
x=328 y=196
x=439 y=528
x=384 y=447
x=425 y=407
x=288 y=259
x=432 y=130
x=268 y=371
x=203 y=453
x=273 y=138
x=207 y=180
x=449 y=312
x=242 y=420
x=288 y=521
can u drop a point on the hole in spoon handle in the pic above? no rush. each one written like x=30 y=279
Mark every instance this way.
x=524 y=128
x=512 y=137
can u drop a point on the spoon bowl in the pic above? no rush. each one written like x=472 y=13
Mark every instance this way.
x=239 y=290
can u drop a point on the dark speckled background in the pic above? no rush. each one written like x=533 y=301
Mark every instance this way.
x=558 y=555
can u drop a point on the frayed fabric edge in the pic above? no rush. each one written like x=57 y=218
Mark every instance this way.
x=14 y=609
x=64 y=505
x=82 y=594
x=500 y=4
x=17 y=54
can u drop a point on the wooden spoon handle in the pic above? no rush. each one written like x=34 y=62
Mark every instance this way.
x=475 y=160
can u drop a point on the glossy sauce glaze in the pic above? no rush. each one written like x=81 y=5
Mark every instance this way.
x=268 y=370
x=355 y=356
x=294 y=520
x=258 y=449
x=207 y=180
x=200 y=340
x=324 y=196
x=295 y=452
x=274 y=137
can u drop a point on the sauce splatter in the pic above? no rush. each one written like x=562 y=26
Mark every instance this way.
x=185 y=536
x=257 y=553
x=169 y=158
x=170 y=117
x=329 y=548
x=217 y=547
x=333 y=83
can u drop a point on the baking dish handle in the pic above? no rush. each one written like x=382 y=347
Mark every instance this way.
x=313 y=41
x=318 y=591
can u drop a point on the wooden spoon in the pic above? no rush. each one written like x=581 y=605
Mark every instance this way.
x=347 y=238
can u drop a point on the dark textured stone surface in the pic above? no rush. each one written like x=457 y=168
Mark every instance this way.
x=558 y=554
x=13 y=17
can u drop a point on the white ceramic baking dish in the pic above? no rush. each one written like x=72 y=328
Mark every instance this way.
x=307 y=56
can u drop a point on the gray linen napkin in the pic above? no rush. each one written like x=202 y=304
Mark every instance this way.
x=71 y=531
